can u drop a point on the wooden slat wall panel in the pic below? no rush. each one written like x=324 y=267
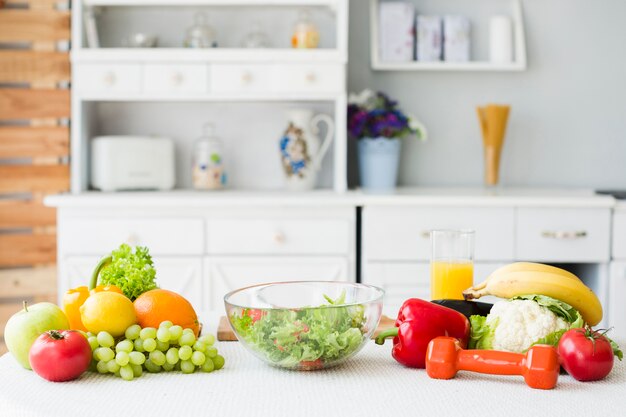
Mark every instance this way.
x=34 y=178
x=19 y=283
x=33 y=66
x=18 y=104
x=32 y=142
x=34 y=25
x=23 y=250
x=25 y=214
x=34 y=3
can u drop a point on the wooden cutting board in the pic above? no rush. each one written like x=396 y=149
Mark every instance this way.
x=225 y=333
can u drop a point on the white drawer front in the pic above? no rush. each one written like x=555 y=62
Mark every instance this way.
x=107 y=78
x=164 y=236
x=320 y=78
x=402 y=233
x=232 y=78
x=175 y=78
x=619 y=235
x=563 y=235
x=271 y=236
x=617 y=307
x=227 y=274
x=410 y=280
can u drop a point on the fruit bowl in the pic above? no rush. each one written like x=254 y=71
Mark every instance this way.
x=304 y=325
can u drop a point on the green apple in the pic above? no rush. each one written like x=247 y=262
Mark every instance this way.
x=27 y=324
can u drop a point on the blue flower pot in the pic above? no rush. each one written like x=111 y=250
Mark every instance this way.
x=379 y=159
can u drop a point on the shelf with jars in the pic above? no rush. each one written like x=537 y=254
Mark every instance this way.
x=175 y=57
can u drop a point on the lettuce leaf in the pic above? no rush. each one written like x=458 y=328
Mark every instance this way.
x=132 y=272
x=482 y=334
x=559 y=308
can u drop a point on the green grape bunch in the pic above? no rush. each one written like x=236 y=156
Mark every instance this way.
x=168 y=348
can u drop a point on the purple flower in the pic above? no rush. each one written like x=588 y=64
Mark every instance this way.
x=385 y=120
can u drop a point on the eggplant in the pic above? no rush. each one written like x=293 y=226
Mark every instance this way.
x=467 y=308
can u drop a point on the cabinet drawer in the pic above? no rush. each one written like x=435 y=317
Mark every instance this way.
x=320 y=78
x=619 y=234
x=98 y=236
x=563 y=235
x=402 y=233
x=175 y=78
x=107 y=78
x=234 y=78
x=272 y=236
x=410 y=280
x=229 y=273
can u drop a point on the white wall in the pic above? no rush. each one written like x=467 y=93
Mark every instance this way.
x=568 y=120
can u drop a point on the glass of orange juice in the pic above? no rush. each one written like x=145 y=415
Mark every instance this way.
x=451 y=263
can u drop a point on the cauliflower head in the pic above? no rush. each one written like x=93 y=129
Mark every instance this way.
x=517 y=324
x=520 y=323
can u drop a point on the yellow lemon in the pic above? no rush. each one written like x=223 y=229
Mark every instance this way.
x=108 y=311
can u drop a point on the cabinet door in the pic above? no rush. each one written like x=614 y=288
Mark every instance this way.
x=179 y=274
x=225 y=274
x=617 y=306
x=403 y=280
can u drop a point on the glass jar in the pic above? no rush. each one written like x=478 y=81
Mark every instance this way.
x=305 y=34
x=208 y=165
x=256 y=38
x=200 y=35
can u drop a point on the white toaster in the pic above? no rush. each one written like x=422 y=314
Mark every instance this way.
x=132 y=163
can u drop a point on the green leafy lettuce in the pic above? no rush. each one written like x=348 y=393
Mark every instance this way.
x=305 y=337
x=482 y=334
x=132 y=272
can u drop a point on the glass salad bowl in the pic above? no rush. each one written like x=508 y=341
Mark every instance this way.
x=304 y=325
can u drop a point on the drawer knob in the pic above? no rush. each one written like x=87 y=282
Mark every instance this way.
x=564 y=234
x=310 y=77
x=279 y=237
x=109 y=78
x=177 y=78
x=246 y=78
x=425 y=234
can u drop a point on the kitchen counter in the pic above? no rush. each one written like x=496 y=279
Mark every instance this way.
x=477 y=197
x=370 y=384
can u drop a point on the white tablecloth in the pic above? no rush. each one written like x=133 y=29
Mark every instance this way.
x=371 y=384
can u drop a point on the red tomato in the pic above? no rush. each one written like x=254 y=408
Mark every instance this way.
x=586 y=354
x=60 y=355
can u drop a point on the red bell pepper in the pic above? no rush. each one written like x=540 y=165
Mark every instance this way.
x=418 y=323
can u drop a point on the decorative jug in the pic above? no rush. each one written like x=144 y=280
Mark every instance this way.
x=300 y=148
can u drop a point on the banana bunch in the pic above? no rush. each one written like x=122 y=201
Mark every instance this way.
x=524 y=278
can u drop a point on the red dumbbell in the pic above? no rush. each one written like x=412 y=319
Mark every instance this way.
x=539 y=366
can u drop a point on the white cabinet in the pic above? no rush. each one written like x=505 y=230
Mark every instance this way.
x=563 y=235
x=98 y=235
x=403 y=233
x=107 y=78
x=617 y=305
x=180 y=274
x=225 y=274
x=175 y=78
x=402 y=280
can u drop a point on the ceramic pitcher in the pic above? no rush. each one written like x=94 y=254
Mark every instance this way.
x=301 y=150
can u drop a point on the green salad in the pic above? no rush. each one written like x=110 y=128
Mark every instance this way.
x=305 y=338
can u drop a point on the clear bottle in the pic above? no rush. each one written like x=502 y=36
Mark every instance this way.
x=256 y=38
x=200 y=35
x=208 y=164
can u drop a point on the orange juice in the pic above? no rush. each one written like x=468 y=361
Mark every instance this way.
x=448 y=279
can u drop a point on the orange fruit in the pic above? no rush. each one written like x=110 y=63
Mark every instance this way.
x=156 y=306
x=108 y=311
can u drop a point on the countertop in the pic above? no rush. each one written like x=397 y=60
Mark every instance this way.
x=466 y=197
x=370 y=384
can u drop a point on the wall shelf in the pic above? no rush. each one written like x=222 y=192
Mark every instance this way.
x=519 y=63
x=208 y=55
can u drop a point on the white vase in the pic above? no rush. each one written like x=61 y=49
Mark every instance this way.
x=301 y=150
